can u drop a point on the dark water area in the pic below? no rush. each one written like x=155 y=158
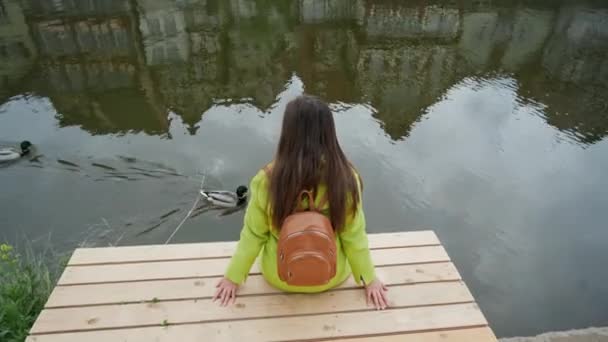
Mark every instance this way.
x=486 y=121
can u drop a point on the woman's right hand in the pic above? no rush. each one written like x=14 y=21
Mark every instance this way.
x=226 y=292
x=376 y=294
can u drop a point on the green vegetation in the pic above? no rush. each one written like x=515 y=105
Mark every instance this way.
x=25 y=285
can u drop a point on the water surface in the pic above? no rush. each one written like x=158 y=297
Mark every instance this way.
x=483 y=120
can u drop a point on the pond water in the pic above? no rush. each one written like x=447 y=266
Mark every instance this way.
x=486 y=121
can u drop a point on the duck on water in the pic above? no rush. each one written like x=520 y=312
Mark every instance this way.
x=11 y=154
x=226 y=199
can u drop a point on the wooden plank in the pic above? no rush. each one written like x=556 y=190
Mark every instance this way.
x=84 y=256
x=216 y=267
x=292 y=328
x=463 y=335
x=109 y=255
x=277 y=305
x=116 y=293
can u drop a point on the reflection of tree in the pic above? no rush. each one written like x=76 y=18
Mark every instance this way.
x=107 y=111
x=402 y=83
x=325 y=62
x=256 y=48
x=17 y=50
x=118 y=65
x=408 y=61
x=574 y=83
x=101 y=97
x=580 y=111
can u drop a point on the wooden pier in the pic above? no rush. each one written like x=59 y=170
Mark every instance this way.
x=163 y=293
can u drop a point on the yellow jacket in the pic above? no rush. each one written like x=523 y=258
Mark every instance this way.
x=258 y=237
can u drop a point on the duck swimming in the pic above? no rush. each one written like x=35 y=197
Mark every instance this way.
x=10 y=154
x=226 y=199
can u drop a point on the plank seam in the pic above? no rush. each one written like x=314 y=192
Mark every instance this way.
x=393 y=234
x=248 y=295
x=409 y=332
x=219 y=275
x=216 y=257
x=168 y=323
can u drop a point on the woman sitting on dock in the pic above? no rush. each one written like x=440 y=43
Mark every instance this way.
x=305 y=214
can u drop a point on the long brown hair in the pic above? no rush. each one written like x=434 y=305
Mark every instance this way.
x=308 y=155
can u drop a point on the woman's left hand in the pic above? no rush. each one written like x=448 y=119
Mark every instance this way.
x=376 y=293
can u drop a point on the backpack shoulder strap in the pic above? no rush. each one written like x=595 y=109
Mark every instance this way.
x=311 y=200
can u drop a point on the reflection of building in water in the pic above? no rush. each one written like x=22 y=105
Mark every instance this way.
x=116 y=65
x=575 y=59
x=243 y=9
x=395 y=20
x=76 y=8
x=233 y=52
x=530 y=29
x=319 y=11
x=410 y=62
x=480 y=34
x=96 y=29
x=181 y=41
x=163 y=30
x=84 y=44
x=412 y=55
x=17 y=50
x=560 y=58
x=577 y=51
x=89 y=65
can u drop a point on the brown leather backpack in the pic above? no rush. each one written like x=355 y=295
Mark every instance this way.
x=306 y=253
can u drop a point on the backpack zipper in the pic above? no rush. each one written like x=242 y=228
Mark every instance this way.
x=309 y=231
